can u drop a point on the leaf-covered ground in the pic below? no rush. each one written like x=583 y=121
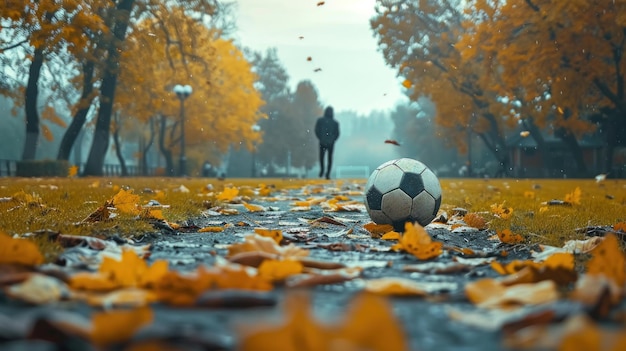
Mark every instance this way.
x=297 y=264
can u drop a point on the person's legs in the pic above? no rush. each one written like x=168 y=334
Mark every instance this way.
x=322 y=152
x=330 y=160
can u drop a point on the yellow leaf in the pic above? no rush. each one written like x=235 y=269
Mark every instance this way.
x=395 y=286
x=210 y=229
x=608 y=260
x=501 y=211
x=508 y=237
x=275 y=234
x=490 y=293
x=417 y=242
x=228 y=194
x=72 y=171
x=117 y=326
x=275 y=270
x=126 y=202
x=391 y=236
x=253 y=208
x=19 y=251
x=377 y=230
x=573 y=197
x=407 y=84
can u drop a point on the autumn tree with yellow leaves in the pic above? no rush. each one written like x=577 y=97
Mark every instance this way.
x=565 y=58
x=223 y=106
x=419 y=40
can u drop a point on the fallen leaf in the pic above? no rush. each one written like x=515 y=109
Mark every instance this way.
x=211 y=229
x=573 y=198
x=228 y=194
x=19 y=251
x=501 y=211
x=508 y=237
x=119 y=325
x=490 y=293
x=275 y=270
x=417 y=242
x=608 y=259
x=126 y=202
x=274 y=234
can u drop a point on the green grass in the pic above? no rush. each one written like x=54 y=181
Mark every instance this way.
x=62 y=203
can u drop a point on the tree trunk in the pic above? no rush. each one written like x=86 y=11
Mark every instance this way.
x=167 y=153
x=496 y=144
x=32 y=115
x=572 y=145
x=145 y=148
x=101 y=135
x=118 y=146
x=536 y=134
x=71 y=134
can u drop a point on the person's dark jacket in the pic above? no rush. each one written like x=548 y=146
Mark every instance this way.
x=327 y=129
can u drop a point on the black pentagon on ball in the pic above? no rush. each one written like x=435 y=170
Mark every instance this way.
x=437 y=205
x=374 y=198
x=412 y=184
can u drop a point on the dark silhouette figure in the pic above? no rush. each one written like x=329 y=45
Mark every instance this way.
x=327 y=132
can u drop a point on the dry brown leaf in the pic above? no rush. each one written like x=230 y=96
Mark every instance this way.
x=120 y=325
x=608 y=260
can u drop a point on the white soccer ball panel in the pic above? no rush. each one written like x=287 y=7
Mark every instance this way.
x=385 y=164
x=397 y=205
x=410 y=165
x=379 y=217
x=388 y=178
x=424 y=208
x=431 y=183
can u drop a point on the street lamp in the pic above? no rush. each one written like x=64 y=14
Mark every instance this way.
x=183 y=92
x=255 y=128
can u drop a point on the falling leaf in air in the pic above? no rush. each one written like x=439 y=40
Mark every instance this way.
x=393 y=142
x=317 y=70
x=508 y=237
x=72 y=171
x=309 y=58
x=126 y=202
x=600 y=178
x=417 y=242
x=320 y=3
x=524 y=133
x=573 y=198
x=112 y=327
x=407 y=84
x=301 y=37
x=19 y=251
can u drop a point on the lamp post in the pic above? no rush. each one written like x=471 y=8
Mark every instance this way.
x=182 y=92
x=255 y=128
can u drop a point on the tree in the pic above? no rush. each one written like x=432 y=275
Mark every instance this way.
x=177 y=50
x=576 y=50
x=418 y=39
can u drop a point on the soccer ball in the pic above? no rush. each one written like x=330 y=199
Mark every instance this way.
x=402 y=190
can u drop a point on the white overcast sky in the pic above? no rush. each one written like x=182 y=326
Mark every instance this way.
x=337 y=37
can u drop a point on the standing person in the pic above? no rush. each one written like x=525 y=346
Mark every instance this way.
x=327 y=132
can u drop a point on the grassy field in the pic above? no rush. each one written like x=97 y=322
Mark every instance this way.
x=60 y=204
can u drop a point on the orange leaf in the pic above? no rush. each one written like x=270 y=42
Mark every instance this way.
x=211 y=229
x=501 y=211
x=390 y=141
x=506 y=236
x=275 y=234
x=395 y=286
x=608 y=260
x=275 y=270
x=417 y=242
x=376 y=230
x=228 y=194
x=620 y=226
x=573 y=197
x=407 y=84
x=391 y=236
x=475 y=220
x=253 y=208
x=126 y=202
x=72 y=171
x=19 y=251
x=117 y=326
